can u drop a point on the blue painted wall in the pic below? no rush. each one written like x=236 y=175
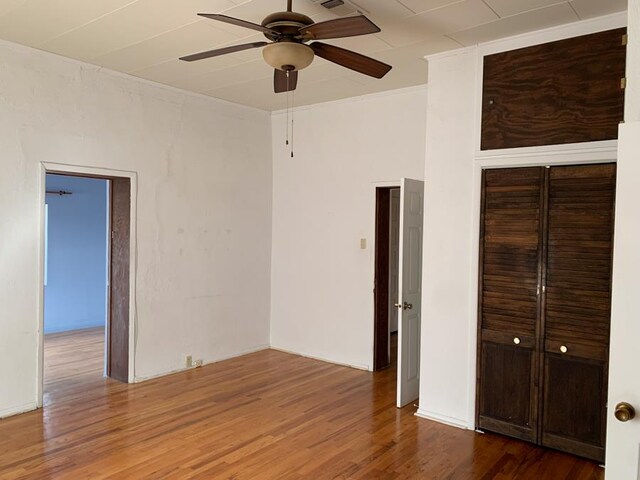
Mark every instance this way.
x=76 y=273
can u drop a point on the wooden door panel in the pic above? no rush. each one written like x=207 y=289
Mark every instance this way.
x=578 y=265
x=507 y=372
x=510 y=250
x=574 y=405
x=577 y=308
x=509 y=303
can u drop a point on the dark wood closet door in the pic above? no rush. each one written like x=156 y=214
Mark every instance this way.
x=577 y=308
x=509 y=302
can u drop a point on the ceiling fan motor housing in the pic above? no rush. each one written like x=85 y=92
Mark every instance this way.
x=286 y=23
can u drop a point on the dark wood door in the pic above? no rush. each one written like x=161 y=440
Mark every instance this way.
x=545 y=300
x=509 y=301
x=577 y=307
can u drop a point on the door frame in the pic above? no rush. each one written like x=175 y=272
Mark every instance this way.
x=381 y=278
x=376 y=186
x=107 y=174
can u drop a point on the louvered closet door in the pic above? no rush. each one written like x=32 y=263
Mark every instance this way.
x=577 y=308
x=510 y=258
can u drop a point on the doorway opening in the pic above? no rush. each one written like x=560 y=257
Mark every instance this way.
x=87 y=231
x=75 y=279
x=387 y=258
x=398 y=284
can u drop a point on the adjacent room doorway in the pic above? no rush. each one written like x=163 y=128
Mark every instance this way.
x=397 y=283
x=75 y=281
x=86 y=272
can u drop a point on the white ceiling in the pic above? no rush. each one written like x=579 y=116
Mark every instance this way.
x=145 y=38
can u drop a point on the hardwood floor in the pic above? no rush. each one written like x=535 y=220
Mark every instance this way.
x=72 y=359
x=267 y=415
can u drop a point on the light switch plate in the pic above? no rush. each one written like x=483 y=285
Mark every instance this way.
x=363 y=244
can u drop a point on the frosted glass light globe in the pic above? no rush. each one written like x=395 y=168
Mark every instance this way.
x=284 y=55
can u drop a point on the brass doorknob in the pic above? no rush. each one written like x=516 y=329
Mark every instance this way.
x=625 y=412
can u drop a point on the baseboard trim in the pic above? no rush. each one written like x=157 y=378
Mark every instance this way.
x=322 y=359
x=258 y=348
x=451 y=421
x=27 y=407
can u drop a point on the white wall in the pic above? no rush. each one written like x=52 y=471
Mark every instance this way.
x=447 y=302
x=632 y=94
x=323 y=204
x=204 y=209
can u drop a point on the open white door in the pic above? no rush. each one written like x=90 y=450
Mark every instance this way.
x=623 y=437
x=410 y=288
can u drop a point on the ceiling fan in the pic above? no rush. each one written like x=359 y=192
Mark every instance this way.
x=288 y=51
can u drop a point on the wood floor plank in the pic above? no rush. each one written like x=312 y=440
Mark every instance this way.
x=267 y=415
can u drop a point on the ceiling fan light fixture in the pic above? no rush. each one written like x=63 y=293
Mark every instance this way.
x=293 y=56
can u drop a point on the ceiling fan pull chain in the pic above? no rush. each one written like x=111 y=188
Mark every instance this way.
x=287 y=106
x=293 y=101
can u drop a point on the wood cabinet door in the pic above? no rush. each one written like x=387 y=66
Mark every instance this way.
x=577 y=308
x=510 y=253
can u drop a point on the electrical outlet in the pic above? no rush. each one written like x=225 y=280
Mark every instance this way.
x=189 y=361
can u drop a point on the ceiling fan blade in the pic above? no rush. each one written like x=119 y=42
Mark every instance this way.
x=239 y=23
x=222 y=51
x=280 y=83
x=340 y=28
x=352 y=60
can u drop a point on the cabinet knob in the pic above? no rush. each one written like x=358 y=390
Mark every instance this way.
x=516 y=340
x=564 y=349
x=625 y=412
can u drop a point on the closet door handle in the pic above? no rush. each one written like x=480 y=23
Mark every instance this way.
x=564 y=349
x=516 y=340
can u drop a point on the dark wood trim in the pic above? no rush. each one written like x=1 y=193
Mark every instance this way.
x=381 y=358
x=480 y=290
x=118 y=343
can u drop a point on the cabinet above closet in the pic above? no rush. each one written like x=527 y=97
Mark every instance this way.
x=568 y=91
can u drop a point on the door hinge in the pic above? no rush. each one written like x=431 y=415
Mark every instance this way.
x=625 y=39
x=623 y=83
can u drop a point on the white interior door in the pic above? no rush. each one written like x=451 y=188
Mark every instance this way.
x=409 y=305
x=623 y=437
